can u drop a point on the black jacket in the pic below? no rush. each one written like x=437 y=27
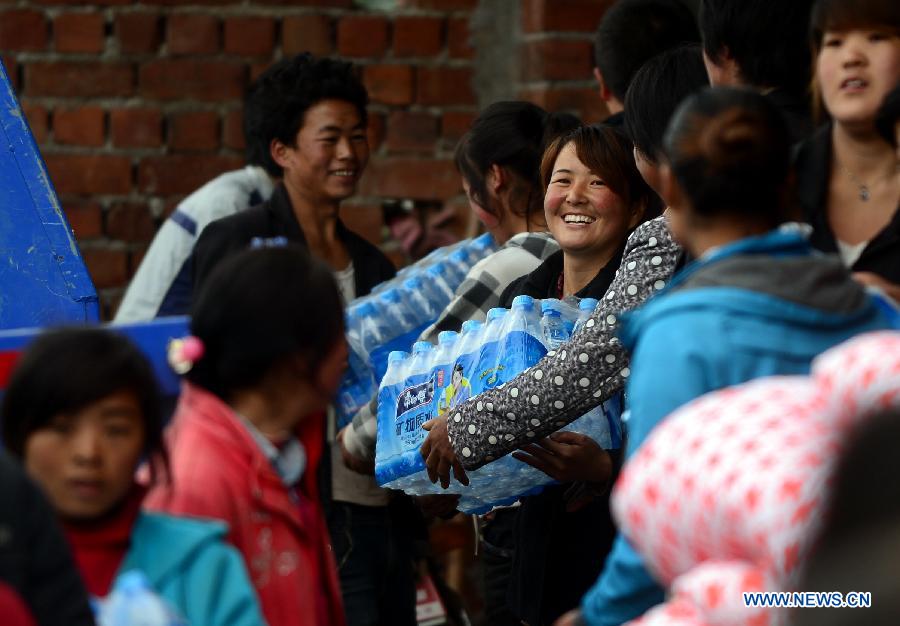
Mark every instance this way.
x=273 y=219
x=813 y=165
x=558 y=555
x=35 y=559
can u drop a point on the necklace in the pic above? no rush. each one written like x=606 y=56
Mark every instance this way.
x=864 y=194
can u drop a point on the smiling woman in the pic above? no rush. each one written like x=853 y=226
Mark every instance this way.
x=594 y=198
x=848 y=175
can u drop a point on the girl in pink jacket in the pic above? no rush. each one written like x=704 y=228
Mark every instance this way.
x=263 y=362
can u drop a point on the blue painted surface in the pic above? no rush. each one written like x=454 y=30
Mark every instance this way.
x=151 y=337
x=43 y=279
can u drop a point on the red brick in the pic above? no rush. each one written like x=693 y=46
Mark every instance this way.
x=455 y=124
x=84 y=126
x=328 y=4
x=421 y=179
x=138 y=32
x=364 y=219
x=418 y=36
x=362 y=36
x=584 y=102
x=187 y=78
x=22 y=29
x=249 y=36
x=78 y=79
x=108 y=268
x=444 y=85
x=194 y=130
x=192 y=34
x=81 y=2
x=458 y=38
x=79 y=32
x=85 y=217
x=389 y=84
x=181 y=174
x=376 y=130
x=440 y=5
x=233 y=130
x=408 y=130
x=37 y=120
x=576 y=16
x=89 y=173
x=306 y=33
x=557 y=60
x=130 y=221
x=136 y=128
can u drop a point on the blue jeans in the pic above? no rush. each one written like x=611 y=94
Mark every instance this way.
x=376 y=565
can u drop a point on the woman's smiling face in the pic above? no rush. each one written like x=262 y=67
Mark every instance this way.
x=584 y=215
x=855 y=70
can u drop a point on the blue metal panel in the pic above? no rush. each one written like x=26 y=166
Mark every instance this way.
x=43 y=279
x=151 y=337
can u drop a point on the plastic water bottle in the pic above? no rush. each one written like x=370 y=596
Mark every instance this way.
x=426 y=301
x=372 y=332
x=438 y=275
x=398 y=315
x=134 y=603
x=585 y=309
x=553 y=328
x=480 y=247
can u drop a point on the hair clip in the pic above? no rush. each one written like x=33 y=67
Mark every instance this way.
x=183 y=353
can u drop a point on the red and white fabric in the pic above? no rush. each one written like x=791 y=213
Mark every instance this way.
x=726 y=495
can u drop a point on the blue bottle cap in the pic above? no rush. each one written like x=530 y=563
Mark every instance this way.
x=523 y=302
x=367 y=309
x=496 y=313
x=397 y=355
x=588 y=304
x=413 y=283
x=391 y=295
x=471 y=325
x=438 y=269
x=483 y=241
x=550 y=312
x=550 y=304
x=421 y=346
x=447 y=336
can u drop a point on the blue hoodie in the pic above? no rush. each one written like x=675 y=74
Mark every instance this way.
x=760 y=306
x=188 y=563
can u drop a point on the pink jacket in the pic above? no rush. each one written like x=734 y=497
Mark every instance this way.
x=218 y=471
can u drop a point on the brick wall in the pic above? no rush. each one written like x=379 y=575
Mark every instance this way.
x=135 y=103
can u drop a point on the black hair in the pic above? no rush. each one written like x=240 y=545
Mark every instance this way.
x=888 y=116
x=65 y=370
x=512 y=135
x=276 y=102
x=656 y=91
x=259 y=308
x=634 y=31
x=730 y=149
x=606 y=151
x=766 y=38
x=844 y=15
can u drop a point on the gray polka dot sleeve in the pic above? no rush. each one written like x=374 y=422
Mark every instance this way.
x=585 y=371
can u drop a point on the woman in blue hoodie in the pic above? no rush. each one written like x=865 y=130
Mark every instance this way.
x=758 y=301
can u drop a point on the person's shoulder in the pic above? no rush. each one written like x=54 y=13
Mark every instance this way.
x=179 y=529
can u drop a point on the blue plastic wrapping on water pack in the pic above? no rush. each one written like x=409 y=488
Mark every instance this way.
x=396 y=313
x=431 y=382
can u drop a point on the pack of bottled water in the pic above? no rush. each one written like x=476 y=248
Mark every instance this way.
x=396 y=312
x=432 y=380
x=133 y=602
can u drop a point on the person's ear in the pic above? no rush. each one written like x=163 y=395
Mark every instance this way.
x=281 y=153
x=496 y=179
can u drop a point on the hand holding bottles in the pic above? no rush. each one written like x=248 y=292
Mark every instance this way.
x=568 y=457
